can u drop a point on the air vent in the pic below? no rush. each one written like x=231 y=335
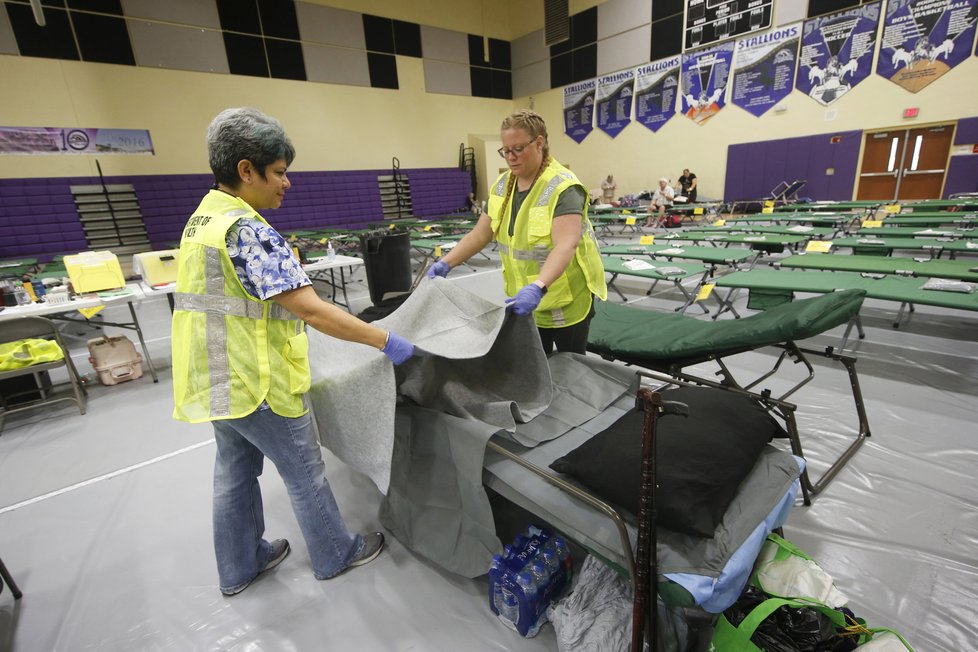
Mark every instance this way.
x=556 y=21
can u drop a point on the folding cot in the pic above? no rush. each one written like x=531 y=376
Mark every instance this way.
x=603 y=223
x=886 y=246
x=935 y=219
x=905 y=290
x=764 y=242
x=432 y=248
x=672 y=271
x=940 y=204
x=862 y=206
x=814 y=232
x=916 y=232
x=734 y=257
x=835 y=221
x=692 y=570
x=669 y=343
x=499 y=406
x=961 y=270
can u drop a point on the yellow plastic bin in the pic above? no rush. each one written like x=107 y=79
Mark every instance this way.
x=157 y=267
x=93 y=271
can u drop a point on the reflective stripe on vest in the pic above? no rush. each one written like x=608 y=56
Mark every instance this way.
x=539 y=255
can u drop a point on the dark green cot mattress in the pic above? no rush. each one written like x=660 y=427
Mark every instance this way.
x=657 y=339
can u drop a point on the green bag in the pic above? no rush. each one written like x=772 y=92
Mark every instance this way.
x=24 y=353
x=727 y=638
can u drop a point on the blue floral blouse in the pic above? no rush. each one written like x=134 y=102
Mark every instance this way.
x=263 y=259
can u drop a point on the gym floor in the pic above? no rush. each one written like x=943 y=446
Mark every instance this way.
x=105 y=518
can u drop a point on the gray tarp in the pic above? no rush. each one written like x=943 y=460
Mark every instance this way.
x=482 y=372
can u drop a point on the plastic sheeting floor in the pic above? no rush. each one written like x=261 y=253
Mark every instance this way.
x=105 y=518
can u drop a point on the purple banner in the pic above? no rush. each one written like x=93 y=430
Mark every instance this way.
x=614 y=103
x=656 y=84
x=765 y=71
x=923 y=39
x=71 y=140
x=837 y=52
x=578 y=109
x=704 y=81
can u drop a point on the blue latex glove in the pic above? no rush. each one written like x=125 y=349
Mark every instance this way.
x=526 y=300
x=440 y=268
x=397 y=348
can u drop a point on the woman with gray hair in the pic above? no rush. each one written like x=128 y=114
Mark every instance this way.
x=537 y=212
x=240 y=356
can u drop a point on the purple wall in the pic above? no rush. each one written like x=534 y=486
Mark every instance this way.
x=38 y=216
x=755 y=169
x=962 y=171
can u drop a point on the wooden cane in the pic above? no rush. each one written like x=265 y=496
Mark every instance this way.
x=645 y=597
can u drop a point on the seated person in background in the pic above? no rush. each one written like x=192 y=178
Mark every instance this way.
x=687 y=182
x=661 y=198
x=608 y=187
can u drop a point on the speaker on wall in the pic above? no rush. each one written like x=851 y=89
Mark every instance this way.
x=556 y=21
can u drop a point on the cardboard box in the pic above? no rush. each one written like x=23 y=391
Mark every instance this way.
x=92 y=271
x=115 y=359
x=157 y=267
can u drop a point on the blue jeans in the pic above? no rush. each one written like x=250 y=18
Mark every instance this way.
x=239 y=522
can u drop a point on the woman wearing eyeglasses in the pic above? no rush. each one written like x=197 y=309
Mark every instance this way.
x=537 y=212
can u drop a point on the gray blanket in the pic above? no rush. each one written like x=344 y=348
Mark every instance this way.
x=481 y=372
x=474 y=362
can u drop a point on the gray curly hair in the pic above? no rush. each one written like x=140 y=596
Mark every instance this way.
x=245 y=133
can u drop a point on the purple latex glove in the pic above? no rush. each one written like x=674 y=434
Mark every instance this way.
x=397 y=348
x=440 y=268
x=526 y=300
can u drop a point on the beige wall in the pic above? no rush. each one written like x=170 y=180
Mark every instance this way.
x=333 y=127
x=638 y=157
x=339 y=127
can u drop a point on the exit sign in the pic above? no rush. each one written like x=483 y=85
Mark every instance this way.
x=911 y=112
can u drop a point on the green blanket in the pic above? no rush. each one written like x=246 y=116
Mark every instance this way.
x=655 y=339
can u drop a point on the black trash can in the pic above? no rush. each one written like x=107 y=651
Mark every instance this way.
x=387 y=259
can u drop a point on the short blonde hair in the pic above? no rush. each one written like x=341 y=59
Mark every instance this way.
x=663 y=180
x=530 y=122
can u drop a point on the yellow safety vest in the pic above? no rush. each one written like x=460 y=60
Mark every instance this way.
x=231 y=351
x=25 y=353
x=568 y=298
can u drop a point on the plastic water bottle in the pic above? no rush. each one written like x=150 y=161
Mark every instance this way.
x=330 y=252
x=541 y=576
x=529 y=585
x=550 y=560
x=495 y=578
x=509 y=610
x=530 y=582
x=508 y=551
x=563 y=552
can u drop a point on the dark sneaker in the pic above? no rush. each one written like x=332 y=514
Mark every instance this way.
x=373 y=544
x=280 y=550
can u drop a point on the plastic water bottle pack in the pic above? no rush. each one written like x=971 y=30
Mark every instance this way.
x=531 y=574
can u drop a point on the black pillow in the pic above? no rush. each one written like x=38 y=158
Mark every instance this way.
x=701 y=460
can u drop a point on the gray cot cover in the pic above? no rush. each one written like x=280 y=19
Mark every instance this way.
x=479 y=372
x=419 y=431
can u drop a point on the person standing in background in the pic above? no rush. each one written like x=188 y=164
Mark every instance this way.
x=608 y=187
x=241 y=357
x=537 y=212
x=687 y=183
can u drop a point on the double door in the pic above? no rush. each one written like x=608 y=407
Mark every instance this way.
x=905 y=163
